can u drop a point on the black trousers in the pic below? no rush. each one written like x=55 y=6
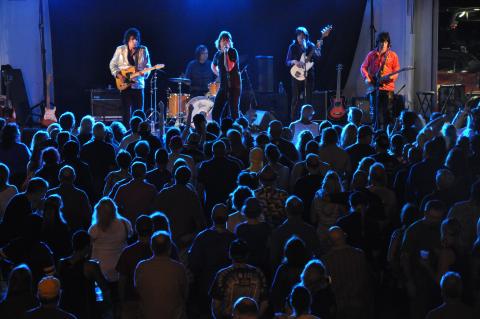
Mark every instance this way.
x=381 y=114
x=298 y=87
x=132 y=99
x=219 y=108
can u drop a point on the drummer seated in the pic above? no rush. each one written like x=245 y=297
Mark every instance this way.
x=199 y=72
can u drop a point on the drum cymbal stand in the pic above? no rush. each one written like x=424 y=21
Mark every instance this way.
x=154 y=116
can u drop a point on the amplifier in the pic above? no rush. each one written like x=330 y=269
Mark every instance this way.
x=106 y=105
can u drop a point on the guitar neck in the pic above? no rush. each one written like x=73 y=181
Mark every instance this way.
x=339 y=74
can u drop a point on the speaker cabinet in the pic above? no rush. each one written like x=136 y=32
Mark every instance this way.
x=106 y=105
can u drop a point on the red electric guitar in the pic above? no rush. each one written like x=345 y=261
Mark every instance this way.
x=337 y=109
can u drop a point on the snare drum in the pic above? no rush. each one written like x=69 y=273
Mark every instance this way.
x=176 y=109
x=201 y=104
x=213 y=88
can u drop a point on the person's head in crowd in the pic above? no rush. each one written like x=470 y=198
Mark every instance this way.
x=4 y=175
x=213 y=128
x=440 y=147
x=408 y=118
x=52 y=127
x=359 y=180
x=314 y=276
x=450 y=230
x=161 y=158
x=53 y=133
x=267 y=176
x=219 y=216
x=70 y=150
x=140 y=114
x=255 y=159
x=124 y=160
x=199 y=122
x=337 y=236
x=105 y=213
x=135 y=123
x=457 y=162
x=444 y=179
x=304 y=137
x=138 y=170
x=62 y=138
x=262 y=140
x=421 y=140
x=67 y=121
x=225 y=125
x=38 y=139
x=228 y=147
x=295 y=252
x=355 y=115
x=160 y=222
x=182 y=175
x=235 y=137
x=348 y=136
x=86 y=124
x=252 y=208
x=338 y=129
x=307 y=112
x=161 y=243
x=193 y=140
x=144 y=227
x=329 y=137
x=19 y=282
x=312 y=147
x=396 y=145
x=67 y=175
x=364 y=135
x=36 y=190
x=287 y=134
x=272 y=153
x=81 y=244
x=119 y=130
x=10 y=135
x=377 y=175
x=243 y=122
x=144 y=129
x=382 y=143
x=248 y=179
x=178 y=163
x=300 y=301
x=475 y=192
x=275 y=130
x=358 y=202
x=435 y=211
x=219 y=149
x=171 y=132
x=414 y=155
x=449 y=133
x=52 y=210
x=313 y=164
x=109 y=135
x=49 y=291
x=99 y=131
x=410 y=213
x=176 y=144
x=238 y=251
x=142 y=149
x=365 y=163
x=451 y=286
x=324 y=125
x=239 y=195
x=245 y=308
x=331 y=183
x=237 y=127
x=294 y=207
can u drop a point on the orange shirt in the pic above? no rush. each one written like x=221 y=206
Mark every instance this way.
x=373 y=62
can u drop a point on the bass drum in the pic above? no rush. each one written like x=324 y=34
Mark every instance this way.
x=201 y=104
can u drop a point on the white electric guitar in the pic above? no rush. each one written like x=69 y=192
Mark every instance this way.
x=299 y=72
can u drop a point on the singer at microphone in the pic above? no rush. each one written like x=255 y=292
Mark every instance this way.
x=225 y=64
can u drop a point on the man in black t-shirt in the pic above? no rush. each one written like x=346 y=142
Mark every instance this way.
x=227 y=68
x=199 y=72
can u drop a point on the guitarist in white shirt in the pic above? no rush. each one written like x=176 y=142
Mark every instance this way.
x=131 y=53
x=299 y=46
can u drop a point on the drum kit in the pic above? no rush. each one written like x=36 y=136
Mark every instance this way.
x=179 y=103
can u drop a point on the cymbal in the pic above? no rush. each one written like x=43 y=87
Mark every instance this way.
x=180 y=80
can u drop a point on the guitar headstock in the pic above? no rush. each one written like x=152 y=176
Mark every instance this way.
x=326 y=30
x=158 y=66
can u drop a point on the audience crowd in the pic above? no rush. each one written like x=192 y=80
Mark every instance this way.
x=224 y=220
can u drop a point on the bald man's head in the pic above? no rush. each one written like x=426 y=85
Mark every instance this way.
x=337 y=236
